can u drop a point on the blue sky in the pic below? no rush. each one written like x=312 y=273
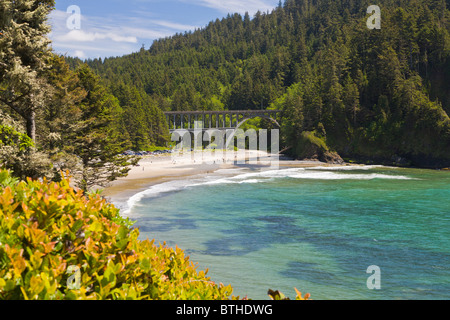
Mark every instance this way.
x=116 y=27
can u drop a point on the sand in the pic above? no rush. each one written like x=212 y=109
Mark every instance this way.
x=157 y=169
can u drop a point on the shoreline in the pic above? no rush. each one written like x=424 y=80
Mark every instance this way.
x=172 y=230
x=153 y=170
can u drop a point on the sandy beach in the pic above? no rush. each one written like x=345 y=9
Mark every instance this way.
x=157 y=169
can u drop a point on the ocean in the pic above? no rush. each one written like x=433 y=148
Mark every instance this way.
x=320 y=230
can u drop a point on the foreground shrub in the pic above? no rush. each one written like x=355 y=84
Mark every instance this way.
x=277 y=295
x=57 y=243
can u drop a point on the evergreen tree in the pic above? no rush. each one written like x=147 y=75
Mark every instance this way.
x=24 y=55
x=95 y=137
x=351 y=81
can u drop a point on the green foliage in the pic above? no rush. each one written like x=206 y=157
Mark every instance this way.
x=95 y=137
x=310 y=146
x=74 y=121
x=48 y=230
x=277 y=295
x=143 y=123
x=24 y=51
x=10 y=137
x=17 y=153
x=319 y=63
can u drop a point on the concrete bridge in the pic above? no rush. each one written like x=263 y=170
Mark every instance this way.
x=221 y=120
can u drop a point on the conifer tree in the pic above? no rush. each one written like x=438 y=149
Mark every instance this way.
x=95 y=136
x=24 y=54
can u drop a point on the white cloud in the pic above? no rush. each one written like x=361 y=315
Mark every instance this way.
x=142 y=33
x=109 y=35
x=174 y=25
x=233 y=6
x=83 y=36
x=123 y=32
x=80 y=54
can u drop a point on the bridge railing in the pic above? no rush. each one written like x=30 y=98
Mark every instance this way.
x=227 y=119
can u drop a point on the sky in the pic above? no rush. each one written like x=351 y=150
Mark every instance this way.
x=110 y=28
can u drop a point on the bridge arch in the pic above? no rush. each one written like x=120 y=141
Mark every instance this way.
x=227 y=119
x=230 y=139
x=274 y=121
x=230 y=120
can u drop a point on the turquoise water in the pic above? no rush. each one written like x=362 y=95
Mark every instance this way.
x=315 y=229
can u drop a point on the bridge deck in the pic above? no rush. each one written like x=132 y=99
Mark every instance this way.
x=252 y=112
x=225 y=119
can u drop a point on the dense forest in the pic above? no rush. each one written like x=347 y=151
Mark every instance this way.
x=365 y=94
x=346 y=91
x=55 y=119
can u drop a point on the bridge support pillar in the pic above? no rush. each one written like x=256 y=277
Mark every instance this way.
x=211 y=119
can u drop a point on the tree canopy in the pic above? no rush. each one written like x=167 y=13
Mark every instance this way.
x=368 y=94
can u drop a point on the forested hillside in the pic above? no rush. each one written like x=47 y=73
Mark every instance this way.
x=52 y=118
x=380 y=95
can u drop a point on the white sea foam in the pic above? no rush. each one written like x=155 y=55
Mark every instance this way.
x=180 y=184
x=235 y=176
x=339 y=176
x=155 y=191
x=348 y=167
x=317 y=173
